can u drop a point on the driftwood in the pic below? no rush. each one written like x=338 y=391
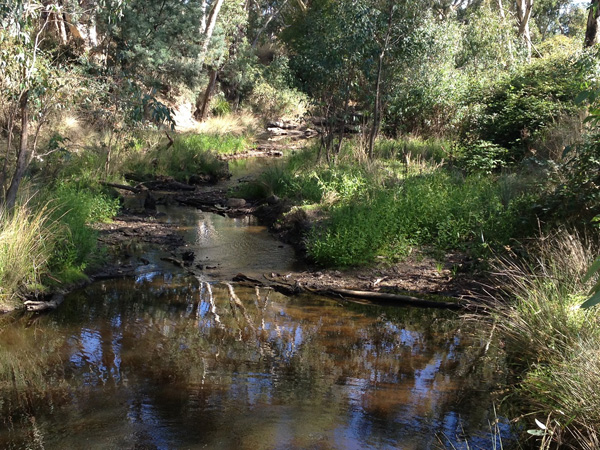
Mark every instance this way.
x=396 y=298
x=153 y=185
x=137 y=190
x=259 y=152
x=371 y=296
x=172 y=260
x=167 y=185
x=35 y=305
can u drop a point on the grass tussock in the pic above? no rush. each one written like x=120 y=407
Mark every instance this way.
x=49 y=239
x=552 y=341
x=238 y=125
x=26 y=247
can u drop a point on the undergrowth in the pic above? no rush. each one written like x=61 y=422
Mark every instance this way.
x=49 y=239
x=26 y=247
x=383 y=208
x=189 y=155
x=551 y=342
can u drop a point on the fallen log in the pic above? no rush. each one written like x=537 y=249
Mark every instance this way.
x=166 y=185
x=371 y=296
x=396 y=298
x=253 y=154
x=36 y=305
x=122 y=186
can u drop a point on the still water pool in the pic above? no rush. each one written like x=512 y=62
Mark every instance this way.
x=166 y=360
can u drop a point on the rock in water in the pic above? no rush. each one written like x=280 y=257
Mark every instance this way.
x=236 y=202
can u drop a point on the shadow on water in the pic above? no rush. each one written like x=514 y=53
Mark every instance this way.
x=166 y=360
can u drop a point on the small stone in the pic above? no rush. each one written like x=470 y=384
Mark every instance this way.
x=236 y=202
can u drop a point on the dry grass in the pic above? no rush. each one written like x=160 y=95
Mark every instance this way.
x=236 y=124
x=553 y=340
x=26 y=246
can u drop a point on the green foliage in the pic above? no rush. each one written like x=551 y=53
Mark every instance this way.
x=431 y=149
x=575 y=197
x=426 y=88
x=149 y=44
x=26 y=245
x=220 y=106
x=483 y=157
x=593 y=272
x=443 y=210
x=519 y=108
x=274 y=102
x=196 y=154
x=550 y=340
x=74 y=208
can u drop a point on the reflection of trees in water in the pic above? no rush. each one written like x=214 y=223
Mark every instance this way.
x=223 y=355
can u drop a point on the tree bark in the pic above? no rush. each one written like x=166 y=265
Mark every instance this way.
x=202 y=107
x=210 y=26
x=10 y=130
x=377 y=106
x=593 y=24
x=507 y=33
x=524 y=10
x=24 y=154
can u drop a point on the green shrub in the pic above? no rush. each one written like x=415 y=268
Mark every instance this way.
x=197 y=154
x=521 y=107
x=483 y=157
x=219 y=106
x=271 y=101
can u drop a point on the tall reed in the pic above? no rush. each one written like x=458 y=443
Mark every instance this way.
x=553 y=343
x=26 y=245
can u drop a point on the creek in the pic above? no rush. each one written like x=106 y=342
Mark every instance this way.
x=167 y=360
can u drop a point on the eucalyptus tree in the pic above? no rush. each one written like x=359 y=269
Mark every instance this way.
x=331 y=44
x=29 y=84
x=344 y=54
x=593 y=24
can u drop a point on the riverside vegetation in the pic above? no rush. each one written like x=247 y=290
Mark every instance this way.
x=458 y=126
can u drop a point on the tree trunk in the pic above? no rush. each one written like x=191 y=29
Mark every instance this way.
x=210 y=26
x=376 y=112
x=377 y=106
x=593 y=24
x=10 y=129
x=203 y=16
x=524 y=9
x=202 y=107
x=24 y=154
x=507 y=33
x=84 y=29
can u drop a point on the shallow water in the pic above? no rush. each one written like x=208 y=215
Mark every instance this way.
x=166 y=360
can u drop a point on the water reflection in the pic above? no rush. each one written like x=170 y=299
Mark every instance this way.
x=226 y=246
x=176 y=362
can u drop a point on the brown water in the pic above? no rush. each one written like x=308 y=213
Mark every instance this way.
x=165 y=360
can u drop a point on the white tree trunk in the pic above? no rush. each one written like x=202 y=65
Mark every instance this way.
x=210 y=25
x=524 y=10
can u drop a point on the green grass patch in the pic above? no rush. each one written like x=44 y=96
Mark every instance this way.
x=26 y=246
x=74 y=207
x=444 y=210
